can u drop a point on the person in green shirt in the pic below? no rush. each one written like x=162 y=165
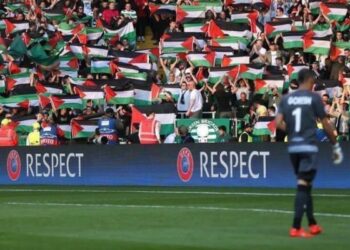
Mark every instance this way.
x=223 y=136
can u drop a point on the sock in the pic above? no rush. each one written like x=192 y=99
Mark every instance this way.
x=310 y=207
x=299 y=205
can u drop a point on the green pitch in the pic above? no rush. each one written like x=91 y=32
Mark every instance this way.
x=164 y=218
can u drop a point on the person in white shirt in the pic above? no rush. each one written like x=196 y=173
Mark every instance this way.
x=184 y=98
x=196 y=101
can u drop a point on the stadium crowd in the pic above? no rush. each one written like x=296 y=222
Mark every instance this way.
x=75 y=71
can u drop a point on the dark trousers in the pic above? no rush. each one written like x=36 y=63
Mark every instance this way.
x=141 y=26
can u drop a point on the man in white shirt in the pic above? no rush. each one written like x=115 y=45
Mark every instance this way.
x=196 y=101
x=184 y=98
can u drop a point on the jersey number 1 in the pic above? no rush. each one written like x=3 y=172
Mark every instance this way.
x=297 y=114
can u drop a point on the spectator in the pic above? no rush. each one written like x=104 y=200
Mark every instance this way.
x=142 y=13
x=184 y=136
x=111 y=13
x=108 y=126
x=242 y=106
x=149 y=132
x=223 y=100
x=8 y=135
x=33 y=138
x=223 y=136
x=48 y=133
x=184 y=98
x=272 y=96
x=128 y=12
x=196 y=101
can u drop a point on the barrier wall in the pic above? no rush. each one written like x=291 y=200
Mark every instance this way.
x=243 y=165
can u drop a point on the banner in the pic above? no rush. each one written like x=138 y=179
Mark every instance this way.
x=205 y=130
x=215 y=165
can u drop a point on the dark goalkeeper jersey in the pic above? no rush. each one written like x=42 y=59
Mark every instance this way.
x=301 y=110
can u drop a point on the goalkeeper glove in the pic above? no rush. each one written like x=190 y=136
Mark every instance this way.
x=337 y=154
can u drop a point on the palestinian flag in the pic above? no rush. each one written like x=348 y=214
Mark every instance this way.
x=320 y=30
x=54 y=15
x=264 y=126
x=201 y=59
x=314 y=6
x=119 y=67
x=130 y=75
x=220 y=52
x=261 y=4
x=242 y=16
x=21 y=100
x=330 y=86
x=89 y=93
x=293 y=70
x=83 y=128
x=119 y=94
x=174 y=89
x=217 y=29
x=2 y=86
x=334 y=11
x=190 y=13
x=100 y=66
x=293 y=39
x=177 y=45
x=215 y=6
x=24 y=125
x=69 y=29
x=153 y=53
x=236 y=43
x=317 y=46
x=237 y=2
x=251 y=71
x=69 y=62
x=272 y=29
x=194 y=27
x=126 y=32
x=15 y=26
x=269 y=82
x=216 y=73
x=48 y=88
x=44 y=101
x=298 y=24
x=165 y=114
x=344 y=26
x=66 y=101
x=200 y=39
x=89 y=34
x=161 y=9
x=64 y=130
x=143 y=93
x=81 y=51
x=235 y=60
x=338 y=49
x=18 y=79
x=130 y=57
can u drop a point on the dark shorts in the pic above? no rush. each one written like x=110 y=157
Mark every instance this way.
x=304 y=165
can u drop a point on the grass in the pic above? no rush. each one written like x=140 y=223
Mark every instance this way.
x=162 y=218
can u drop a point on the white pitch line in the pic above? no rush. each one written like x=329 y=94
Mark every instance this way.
x=170 y=192
x=204 y=208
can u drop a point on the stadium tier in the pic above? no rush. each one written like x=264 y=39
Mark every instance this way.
x=216 y=72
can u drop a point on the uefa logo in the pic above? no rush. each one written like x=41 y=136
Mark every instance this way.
x=185 y=164
x=13 y=165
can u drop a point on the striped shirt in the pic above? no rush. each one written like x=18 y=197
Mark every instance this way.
x=129 y=14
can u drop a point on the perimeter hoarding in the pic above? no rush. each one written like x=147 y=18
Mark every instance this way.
x=221 y=165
